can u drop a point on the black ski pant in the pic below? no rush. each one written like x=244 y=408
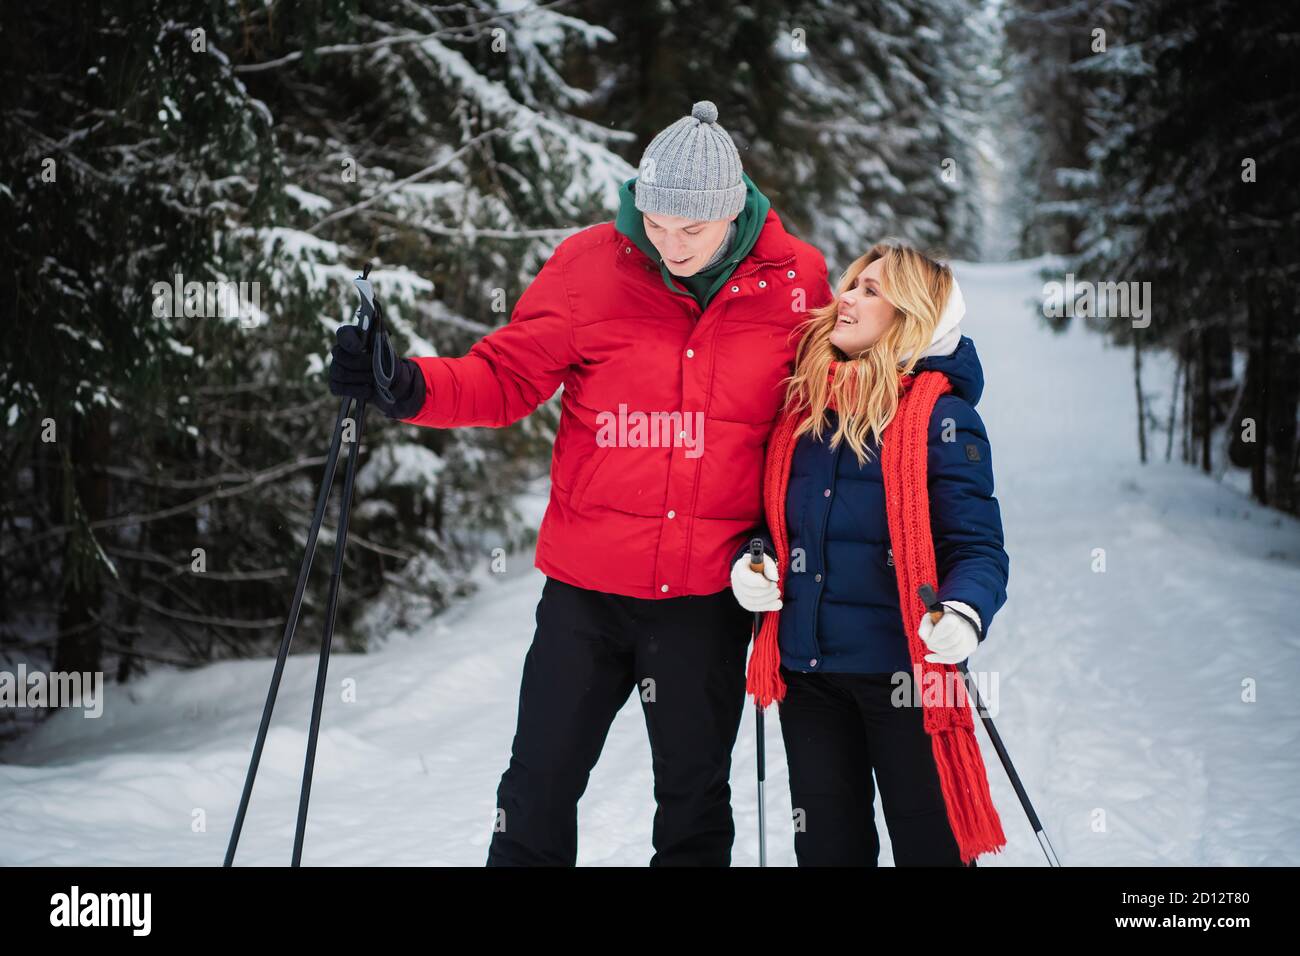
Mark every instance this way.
x=685 y=658
x=837 y=729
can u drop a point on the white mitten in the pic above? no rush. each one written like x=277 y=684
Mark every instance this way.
x=953 y=639
x=754 y=591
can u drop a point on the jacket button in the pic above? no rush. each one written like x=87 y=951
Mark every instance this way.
x=664 y=588
x=826 y=493
x=813 y=662
x=680 y=434
x=817 y=578
x=627 y=248
x=690 y=353
x=762 y=283
x=790 y=274
x=672 y=514
x=735 y=288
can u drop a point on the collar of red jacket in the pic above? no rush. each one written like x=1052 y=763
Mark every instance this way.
x=772 y=246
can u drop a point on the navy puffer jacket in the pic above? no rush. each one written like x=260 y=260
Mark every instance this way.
x=840 y=611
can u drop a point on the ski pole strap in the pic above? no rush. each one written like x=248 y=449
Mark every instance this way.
x=371 y=316
x=382 y=355
x=932 y=604
x=979 y=631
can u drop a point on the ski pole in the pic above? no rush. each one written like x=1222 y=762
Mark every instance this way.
x=291 y=625
x=327 y=639
x=931 y=600
x=756 y=564
x=370 y=318
x=372 y=321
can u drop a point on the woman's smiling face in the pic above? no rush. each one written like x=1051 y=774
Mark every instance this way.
x=864 y=312
x=685 y=244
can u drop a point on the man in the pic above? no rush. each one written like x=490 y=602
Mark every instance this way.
x=670 y=330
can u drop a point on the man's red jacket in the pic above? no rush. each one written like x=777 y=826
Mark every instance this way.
x=653 y=505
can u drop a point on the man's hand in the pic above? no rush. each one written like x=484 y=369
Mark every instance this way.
x=352 y=374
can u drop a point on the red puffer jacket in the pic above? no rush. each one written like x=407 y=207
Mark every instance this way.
x=655 y=511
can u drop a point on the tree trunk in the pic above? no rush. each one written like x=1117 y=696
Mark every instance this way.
x=1141 y=404
x=1204 y=418
x=1179 y=373
x=85 y=501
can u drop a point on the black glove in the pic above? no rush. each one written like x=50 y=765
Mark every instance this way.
x=352 y=374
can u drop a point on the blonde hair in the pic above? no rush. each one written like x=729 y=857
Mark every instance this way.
x=866 y=386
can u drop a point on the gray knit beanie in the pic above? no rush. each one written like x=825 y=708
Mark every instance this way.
x=691 y=169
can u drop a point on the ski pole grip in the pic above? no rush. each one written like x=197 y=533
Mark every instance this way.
x=756 y=555
x=931 y=601
x=370 y=315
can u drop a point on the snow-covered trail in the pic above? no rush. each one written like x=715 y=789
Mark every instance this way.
x=1122 y=692
x=1119 y=694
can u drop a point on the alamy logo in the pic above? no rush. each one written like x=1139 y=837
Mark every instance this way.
x=102 y=909
x=1105 y=300
x=651 y=430
x=209 y=300
x=56 y=689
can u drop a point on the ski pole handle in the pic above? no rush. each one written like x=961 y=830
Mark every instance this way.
x=756 y=555
x=931 y=601
x=370 y=314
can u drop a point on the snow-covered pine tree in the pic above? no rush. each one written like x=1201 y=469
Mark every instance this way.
x=126 y=150
x=883 y=123
x=1045 y=40
x=1192 y=191
x=855 y=118
x=283 y=145
x=443 y=142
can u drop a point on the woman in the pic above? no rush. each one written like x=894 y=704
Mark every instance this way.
x=878 y=480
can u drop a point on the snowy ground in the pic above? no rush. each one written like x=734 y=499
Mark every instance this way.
x=1120 y=694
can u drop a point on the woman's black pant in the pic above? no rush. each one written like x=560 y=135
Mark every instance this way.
x=685 y=658
x=838 y=728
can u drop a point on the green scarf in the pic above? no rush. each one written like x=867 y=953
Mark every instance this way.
x=706 y=282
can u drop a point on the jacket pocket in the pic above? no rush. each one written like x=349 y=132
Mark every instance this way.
x=586 y=475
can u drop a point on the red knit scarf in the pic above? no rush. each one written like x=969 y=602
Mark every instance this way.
x=903 y=461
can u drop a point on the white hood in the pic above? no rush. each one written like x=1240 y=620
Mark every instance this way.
x=948 y=332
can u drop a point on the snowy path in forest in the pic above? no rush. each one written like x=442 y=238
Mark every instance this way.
x=1119 y=694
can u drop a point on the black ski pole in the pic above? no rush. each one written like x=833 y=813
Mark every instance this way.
x=291 y=625
x=756 y=564
x=327 y=639
x=372 y=321
x=370 y=318
x=932 y=604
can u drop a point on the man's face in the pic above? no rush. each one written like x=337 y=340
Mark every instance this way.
x=685 y=244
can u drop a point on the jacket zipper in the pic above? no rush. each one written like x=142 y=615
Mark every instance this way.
x=817 y=605
x=761 y=265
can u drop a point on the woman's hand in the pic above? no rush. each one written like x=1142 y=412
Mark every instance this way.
x=953 y=639
x=754 y=591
